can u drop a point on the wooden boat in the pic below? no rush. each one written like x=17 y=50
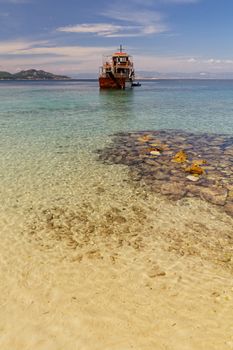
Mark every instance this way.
x=117 y=71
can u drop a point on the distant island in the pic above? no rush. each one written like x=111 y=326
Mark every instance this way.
x=32 y=74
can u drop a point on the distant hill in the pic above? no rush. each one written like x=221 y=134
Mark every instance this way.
x=32 y=74
x=5 y=75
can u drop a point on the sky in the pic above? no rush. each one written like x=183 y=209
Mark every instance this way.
x=71 y=37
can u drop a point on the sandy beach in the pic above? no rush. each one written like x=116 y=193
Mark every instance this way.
x=119 y=268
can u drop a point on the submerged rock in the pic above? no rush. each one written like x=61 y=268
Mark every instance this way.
x=229 y=208
x=155 y=153
x=174 y=190
x=144 y=138
x=177 y=164
x=194 y=169
x=215 y=195
x=180 y=157
x=192 y=178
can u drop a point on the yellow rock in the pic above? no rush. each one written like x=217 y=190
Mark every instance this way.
x=161 y=147
x=194 y=170
x=199 y=162
x=144 y=138
x=180 y=157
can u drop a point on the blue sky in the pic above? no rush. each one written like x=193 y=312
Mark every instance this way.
x=70 y=37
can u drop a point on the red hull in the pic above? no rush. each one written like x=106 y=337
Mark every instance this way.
x=109 y=83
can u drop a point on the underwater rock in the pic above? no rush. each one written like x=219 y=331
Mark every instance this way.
x=155 y=185
x=180 y=157
x=229 y=208
x=160 y=175
x=155 y=153
x=195 y=191
x=174 y=190
x=215 y=195
x=192 y=178
x=230 y=195
x=150 y=161
x=229 y=151
x=176 y=163
x=194 y=169
x=199 y=162
x=144 y=138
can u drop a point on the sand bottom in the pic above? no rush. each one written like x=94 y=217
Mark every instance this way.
x=118 y=269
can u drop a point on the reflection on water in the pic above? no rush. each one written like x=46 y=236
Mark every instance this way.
x=117 y=103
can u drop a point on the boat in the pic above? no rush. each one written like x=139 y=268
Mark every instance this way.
x=136 y=84
x=117 y=71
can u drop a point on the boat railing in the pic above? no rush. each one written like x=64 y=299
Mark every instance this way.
x=124 y=65
x=121 y=75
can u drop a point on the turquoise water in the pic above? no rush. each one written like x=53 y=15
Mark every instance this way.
x=49 y=131
x=89 y=256
x=64 y=109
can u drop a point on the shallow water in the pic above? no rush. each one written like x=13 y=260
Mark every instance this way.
x=49 y=131
x=75 y=231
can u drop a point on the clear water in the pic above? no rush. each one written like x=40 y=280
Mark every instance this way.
x=50 y=130
x=56 y=109
x=78 y=241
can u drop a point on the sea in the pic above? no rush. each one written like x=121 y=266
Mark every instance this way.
x=50 y=133
x=90 y=255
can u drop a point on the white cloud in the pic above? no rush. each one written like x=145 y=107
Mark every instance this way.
x=181 y=64
x=110 y=30
x=192 y=60
x=41 y=54
x=214 y=61
x=145 y=22
x=122 y=21
x=211 y=62
x=18 y=46
x=23 y=54
x=103 y=29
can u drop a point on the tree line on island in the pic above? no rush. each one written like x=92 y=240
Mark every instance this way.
x=32 y=74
